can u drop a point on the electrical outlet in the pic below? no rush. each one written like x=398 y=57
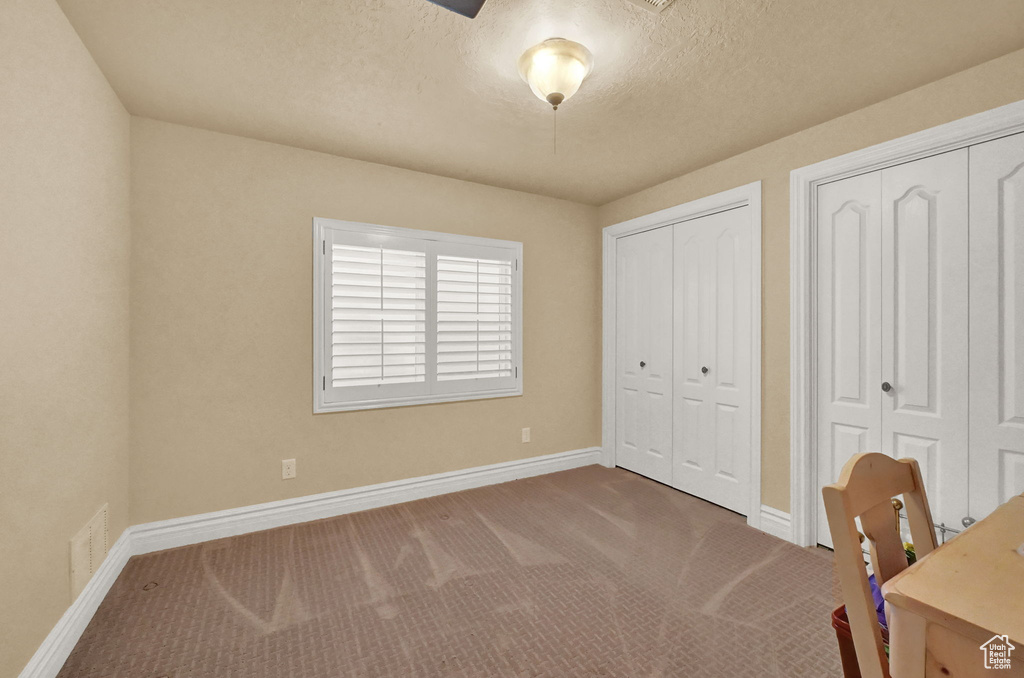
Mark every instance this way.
x=287 y=469
x=526 y=435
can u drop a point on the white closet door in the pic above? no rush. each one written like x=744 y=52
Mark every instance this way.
x=849 y=336
x=997 y=324
x=643 y=287
x=712 y=358
x=924 y=324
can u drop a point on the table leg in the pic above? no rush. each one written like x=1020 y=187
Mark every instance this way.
x=906 y=643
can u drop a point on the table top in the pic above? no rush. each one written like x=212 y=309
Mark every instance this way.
x=974 y=583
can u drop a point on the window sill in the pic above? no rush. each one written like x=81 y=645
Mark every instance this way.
x=374 y=404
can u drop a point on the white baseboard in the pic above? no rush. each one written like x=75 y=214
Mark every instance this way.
x=776 y=523
x=204 y=527
x=51 y=655
x=138 y=539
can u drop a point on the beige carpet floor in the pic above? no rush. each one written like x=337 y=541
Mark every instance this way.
x=589 y=572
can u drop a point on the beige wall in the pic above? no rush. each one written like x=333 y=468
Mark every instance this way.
x=221 y=367
x=64 y=246
x=992 y=84
x=218 y=258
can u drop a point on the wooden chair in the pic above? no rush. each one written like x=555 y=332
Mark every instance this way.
x=865 y=490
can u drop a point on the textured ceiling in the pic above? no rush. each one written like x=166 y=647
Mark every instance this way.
x=405 y=83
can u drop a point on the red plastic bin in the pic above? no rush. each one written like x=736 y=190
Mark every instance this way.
x=847 y=652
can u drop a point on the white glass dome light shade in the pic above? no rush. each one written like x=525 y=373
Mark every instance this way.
x=555 y=68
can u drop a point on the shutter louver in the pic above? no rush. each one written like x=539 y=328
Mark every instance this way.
x=474 y=318
x=378 y=316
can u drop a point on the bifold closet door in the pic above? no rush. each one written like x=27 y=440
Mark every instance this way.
x=925 y=325
x=643 y=402
x=891 y=324
x=712 y=337
x=997 y=324
x=849 y=327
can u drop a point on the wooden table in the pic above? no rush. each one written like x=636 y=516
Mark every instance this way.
x=943 y=608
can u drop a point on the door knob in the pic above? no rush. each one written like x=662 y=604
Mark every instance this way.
x=886 y=386
x=642 y=364
x=968 y=521
x=703 y=370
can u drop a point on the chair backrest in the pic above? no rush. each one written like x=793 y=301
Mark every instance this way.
x=865 y=490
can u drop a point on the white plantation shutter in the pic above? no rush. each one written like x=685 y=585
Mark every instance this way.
x=404 y=317
x=378 y=310
x=474 y=318
x=378 y=315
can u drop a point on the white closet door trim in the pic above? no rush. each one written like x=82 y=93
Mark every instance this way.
x=741 y=196
x=803 y=185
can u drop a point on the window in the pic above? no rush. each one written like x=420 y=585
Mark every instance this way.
x=403 y=317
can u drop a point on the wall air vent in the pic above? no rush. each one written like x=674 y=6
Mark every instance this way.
x=656 y=6
x=88 y=549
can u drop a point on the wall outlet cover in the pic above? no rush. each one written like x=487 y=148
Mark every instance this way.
x=287 y=469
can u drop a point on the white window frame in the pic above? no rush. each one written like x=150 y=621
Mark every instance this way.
x=438 y=392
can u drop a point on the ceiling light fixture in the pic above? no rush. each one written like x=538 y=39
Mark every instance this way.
x=555 y=68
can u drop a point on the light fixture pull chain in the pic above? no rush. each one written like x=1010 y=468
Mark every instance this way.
x=554 y=130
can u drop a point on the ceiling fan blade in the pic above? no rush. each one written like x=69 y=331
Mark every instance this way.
x=467 y=8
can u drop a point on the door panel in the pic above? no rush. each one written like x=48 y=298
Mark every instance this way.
x=997 y=323
x=712 y=329
x=644 y=335
x=692 y=447
x=924 y=324
x=727 y=460
x=848 y=327
x=915 y=316
x=727 y=251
